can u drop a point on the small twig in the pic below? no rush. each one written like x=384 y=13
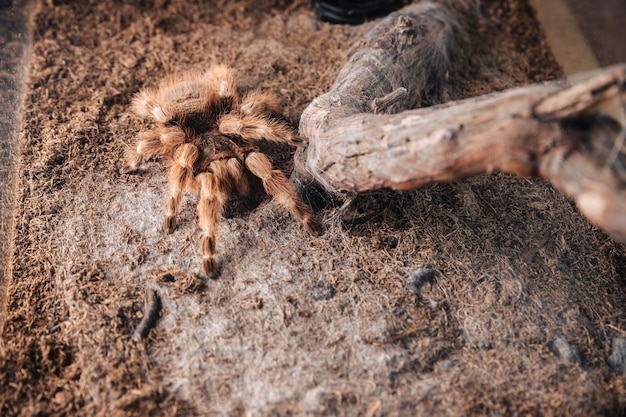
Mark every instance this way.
x=373 y=408
x=617 y=329
x=396 y=337
x=52 y=329
x=382 y=104
x=150 y=316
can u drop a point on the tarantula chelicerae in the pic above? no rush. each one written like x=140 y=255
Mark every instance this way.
x=208 y=136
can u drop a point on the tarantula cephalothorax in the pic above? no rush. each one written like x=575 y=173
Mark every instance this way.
x=207 y=134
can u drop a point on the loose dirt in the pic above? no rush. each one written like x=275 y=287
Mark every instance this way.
x=491 y=296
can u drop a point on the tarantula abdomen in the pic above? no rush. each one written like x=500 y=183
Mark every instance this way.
x=192 y=101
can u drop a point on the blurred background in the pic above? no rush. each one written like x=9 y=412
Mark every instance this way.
x=584 y=34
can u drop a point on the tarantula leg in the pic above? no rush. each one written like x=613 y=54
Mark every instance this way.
x=181 y=177
x=152 y=143
x=144 y=103
x=234 y=170
x=222 y=80
x=213 y=198
x=277 y=185
x=257 y=102
x=252 y=128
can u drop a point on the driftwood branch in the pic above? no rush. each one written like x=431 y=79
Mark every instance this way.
x=363 y=137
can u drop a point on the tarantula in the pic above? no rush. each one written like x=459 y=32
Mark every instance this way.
x=208 y=135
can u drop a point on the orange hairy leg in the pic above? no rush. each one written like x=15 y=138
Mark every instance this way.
x=181 y=177
x=213 y=197
x=276 y=184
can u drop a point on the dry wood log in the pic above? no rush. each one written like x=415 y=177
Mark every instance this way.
x=556 y=130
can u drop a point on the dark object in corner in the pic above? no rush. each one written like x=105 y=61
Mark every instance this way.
x=353 y=12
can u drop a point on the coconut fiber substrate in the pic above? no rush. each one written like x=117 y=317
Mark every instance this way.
x=490 y=296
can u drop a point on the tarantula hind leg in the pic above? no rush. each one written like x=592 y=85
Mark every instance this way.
x=213 y=198
x=277 y=185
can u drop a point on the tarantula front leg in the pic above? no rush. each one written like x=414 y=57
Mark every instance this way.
x=221 y=79
x=259 y=103
x=277 y=185
x=157 y=142
x=252 y=128
x=181 y=177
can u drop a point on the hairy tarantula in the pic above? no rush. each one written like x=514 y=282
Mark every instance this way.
x=208 y=136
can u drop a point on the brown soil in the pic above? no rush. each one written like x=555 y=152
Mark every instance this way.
x=491 y=296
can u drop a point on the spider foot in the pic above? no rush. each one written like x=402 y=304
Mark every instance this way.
x=210 y=267
x=169 y=224
x=128 y=169
x=313 y=226
x=297 y=140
